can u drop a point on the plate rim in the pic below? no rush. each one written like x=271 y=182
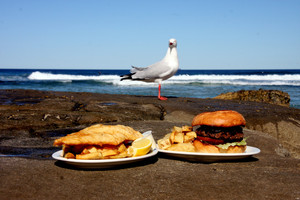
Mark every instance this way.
x=57 y=156
x=254 y=149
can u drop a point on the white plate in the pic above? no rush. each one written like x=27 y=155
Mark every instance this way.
x=105 y=163
x=211 y=157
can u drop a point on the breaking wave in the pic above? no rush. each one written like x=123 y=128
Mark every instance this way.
x=183 y=79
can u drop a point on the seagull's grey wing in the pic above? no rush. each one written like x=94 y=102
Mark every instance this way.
x=155 y=71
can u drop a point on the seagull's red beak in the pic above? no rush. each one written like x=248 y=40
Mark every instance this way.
x=171 y=43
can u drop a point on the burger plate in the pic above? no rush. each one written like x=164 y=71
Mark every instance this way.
x=211 y=157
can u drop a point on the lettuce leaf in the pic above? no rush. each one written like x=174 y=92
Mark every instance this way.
x=226 y=145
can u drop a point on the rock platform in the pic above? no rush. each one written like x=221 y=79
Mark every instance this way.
x=31 y=120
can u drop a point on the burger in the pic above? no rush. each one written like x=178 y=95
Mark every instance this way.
x=219 y=132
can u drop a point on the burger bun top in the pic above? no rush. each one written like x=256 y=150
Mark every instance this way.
x=222 y=118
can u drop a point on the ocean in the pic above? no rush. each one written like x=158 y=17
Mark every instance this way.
x=186 y=83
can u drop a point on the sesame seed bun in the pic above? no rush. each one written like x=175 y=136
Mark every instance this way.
x=222 y=118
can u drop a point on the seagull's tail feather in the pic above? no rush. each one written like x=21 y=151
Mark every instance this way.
x=132 y=72
x=126 y=76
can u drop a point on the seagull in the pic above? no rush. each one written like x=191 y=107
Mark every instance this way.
x=159 y=71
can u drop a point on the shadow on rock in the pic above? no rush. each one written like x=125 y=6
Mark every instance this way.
x=27 y=152
x=247 y=159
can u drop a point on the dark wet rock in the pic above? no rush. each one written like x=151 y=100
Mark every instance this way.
x=264 y=96
x=58 y=111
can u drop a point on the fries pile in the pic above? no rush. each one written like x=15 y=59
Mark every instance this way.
x=95 y=152
x=181 y=139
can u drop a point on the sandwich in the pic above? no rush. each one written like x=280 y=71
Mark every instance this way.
x=98 y=142
x=219 y=132
x=210 y=132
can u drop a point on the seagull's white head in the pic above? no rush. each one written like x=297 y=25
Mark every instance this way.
x=172 y=43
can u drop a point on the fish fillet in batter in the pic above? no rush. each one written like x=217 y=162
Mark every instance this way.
x=100 y=134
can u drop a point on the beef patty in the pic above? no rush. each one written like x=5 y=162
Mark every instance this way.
x=229 y=134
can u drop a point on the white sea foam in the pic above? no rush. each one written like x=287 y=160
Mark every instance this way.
x=59 y=77
x=270 y=79
x=273 y=79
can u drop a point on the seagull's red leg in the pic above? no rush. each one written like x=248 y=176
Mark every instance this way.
x=160 y=97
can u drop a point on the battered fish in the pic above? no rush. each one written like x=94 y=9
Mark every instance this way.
x=100 y=134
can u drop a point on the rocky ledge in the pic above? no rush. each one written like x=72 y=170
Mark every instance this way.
x=31 y=120
x=276 y=97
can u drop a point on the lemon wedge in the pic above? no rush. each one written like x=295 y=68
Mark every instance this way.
x=140 y=147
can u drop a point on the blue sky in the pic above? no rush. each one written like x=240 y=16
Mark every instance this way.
x=212 y=34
